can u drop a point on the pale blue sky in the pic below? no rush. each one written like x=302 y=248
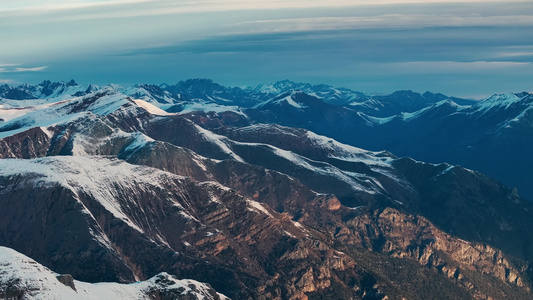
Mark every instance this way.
x=469 y=49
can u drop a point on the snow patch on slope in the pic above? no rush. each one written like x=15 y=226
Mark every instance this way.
x=140 y=141
x=345 y=152
x=408 y=116
x=287 y=99
x=208 y=107
x=290 y=101
x=379 y=121
x=256 y=206
x=154 y=110
x=218 y=140
x=325 y=169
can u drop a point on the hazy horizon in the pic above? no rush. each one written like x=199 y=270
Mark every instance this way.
x=370 y=93
x=471 y=49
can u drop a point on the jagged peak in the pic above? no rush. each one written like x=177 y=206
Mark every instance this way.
x=47 y=82
x=498 y=100
x=72 y=82
x=446 y=102
x=435 y=96
x=406 y=94
x=522 y=94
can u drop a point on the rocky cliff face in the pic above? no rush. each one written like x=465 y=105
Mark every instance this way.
x=108 y=188
x=406 y=236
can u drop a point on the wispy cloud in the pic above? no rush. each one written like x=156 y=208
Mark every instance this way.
x=3 y=81
x=34 y=69
x=380 y=21
x=92 y=9
x=515 y=54
x=215 y=5
x=10 y=69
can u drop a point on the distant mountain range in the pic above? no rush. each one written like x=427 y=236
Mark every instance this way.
x=260 y=193
x=489 y=135
x=206 y=91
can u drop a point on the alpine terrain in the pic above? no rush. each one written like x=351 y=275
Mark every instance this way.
x=200 y=191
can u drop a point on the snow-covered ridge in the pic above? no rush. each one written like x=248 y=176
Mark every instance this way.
x=518 y=118
x=407 y=117
x=357 y=181
x=99 y=177
x=353 y=179
x=39 y=114
x=62 y=112
x=328 y=148
x=34 y=281
x=326 y=92
x=287 y=99
x=346 y=152
x=331 y=147
x=221 y=141
x=500 y=100
x=205 y=95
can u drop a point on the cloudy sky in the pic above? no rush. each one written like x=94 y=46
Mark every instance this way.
x=468 y=49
